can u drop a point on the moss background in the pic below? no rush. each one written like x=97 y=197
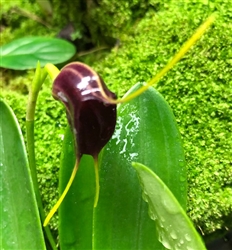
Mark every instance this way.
x=148 y=33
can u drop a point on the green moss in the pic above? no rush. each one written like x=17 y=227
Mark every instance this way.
x=110 y=18
x=104 y=19
x=50 y=125
x=199 y=91
x=20 y=18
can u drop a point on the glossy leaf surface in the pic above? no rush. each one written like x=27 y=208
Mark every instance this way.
x=146 y=131
x=175 y=229
x=76 y=210
x=24 y=53
x=20 y=222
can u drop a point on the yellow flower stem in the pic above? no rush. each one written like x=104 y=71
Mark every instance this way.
x=97 y=181
x=55 y=208
x=52 y=70
x=183 y=50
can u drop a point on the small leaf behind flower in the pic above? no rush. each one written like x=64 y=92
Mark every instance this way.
x=24 y=53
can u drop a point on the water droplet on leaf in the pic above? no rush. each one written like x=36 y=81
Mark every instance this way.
x=173 y=235
x=144 y=196
x=152 y=215
x=187 y=237
x=170 y=207
x=182 y=178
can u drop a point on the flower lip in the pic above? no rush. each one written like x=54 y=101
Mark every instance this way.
x=91 y=116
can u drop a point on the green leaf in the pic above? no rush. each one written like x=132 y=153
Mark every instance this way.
x=76 y=211
x=146 y=132
x=175 y=229
x=24 y=53
x=20 y=222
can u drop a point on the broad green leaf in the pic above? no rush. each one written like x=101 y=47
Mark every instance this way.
x=24 y=53
x=146 y=132
x=20 y=222
x=76 y=211
x=175 y=229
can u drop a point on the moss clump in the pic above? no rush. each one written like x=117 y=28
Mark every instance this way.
x=199 y=91
x=23 y=18
x=101 y=20
x=111 y=18
x=90 y=22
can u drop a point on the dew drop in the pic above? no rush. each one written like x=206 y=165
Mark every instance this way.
x=181 y=162
x=164 y=240
x=4 y=225
x=182 y=188
x=152 y=214
x=161 y=225
x=179 y=244
x=124 y=147
x=170 y=208
x=187 y=237
x=182 y=178
x=189 y=248
x=173 y=235
x=162 y=219
x=144 y=196
x=61 y=136
x=133 y=156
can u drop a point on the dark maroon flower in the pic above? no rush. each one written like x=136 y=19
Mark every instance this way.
x=90 y=114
